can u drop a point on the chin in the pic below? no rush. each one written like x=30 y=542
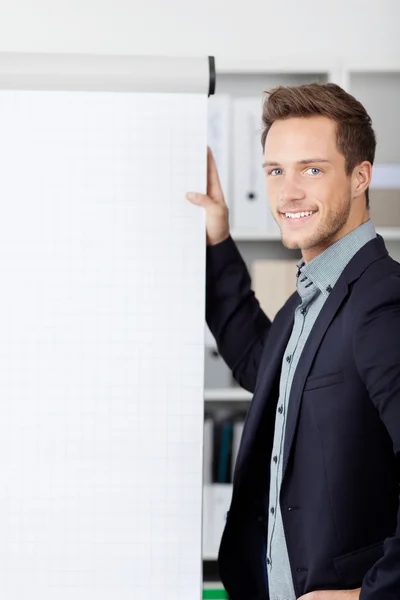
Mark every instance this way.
x=306 y=237
x=307 y=242
x=296 y=242
x=290 y=244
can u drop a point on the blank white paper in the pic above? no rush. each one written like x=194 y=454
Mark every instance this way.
x=218 y=137
x=102 y=264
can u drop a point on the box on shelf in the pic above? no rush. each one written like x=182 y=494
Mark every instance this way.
x=273 y=281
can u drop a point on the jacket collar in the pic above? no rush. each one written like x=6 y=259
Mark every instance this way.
x=372 y=251
x=325 y=269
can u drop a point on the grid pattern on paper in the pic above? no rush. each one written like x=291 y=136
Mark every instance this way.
x=101 y=345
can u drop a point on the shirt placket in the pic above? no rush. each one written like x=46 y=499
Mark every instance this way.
x=277 y=454
x=278 y=447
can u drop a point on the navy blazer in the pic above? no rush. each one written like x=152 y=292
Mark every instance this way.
x=340 y=487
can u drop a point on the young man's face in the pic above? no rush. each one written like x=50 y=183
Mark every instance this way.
x=309 y=191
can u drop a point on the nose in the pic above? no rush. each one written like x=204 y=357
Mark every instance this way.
x=291 y=190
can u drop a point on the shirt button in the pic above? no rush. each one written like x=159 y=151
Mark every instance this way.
x=329 y=289
x=288 y=358
x=268 y=561
x=280 y=409
x=272 y=510
x=303 y=311
x=275 y=459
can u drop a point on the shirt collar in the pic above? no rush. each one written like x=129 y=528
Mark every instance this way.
x=325 y=269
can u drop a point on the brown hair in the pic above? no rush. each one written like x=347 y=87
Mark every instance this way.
x=355 y=136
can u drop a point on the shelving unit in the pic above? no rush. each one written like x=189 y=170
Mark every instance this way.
x=391 y=234
x=231 y=394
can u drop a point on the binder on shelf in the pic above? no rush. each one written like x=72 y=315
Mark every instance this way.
x=250 y=210
x=217 y=374
x=221 y=442
x=236 y=438
x=208 y=450
x=273 y=281
x=222 y=435
x=216 y=502
x=218 y=137
x=225 y=453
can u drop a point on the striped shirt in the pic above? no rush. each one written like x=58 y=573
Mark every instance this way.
x=314 y=283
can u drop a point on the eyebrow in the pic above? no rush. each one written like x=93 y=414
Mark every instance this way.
x=304 y=161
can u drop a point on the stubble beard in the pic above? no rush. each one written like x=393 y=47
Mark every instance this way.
x=324 y=233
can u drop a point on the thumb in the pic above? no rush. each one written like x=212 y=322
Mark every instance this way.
x=199 y=199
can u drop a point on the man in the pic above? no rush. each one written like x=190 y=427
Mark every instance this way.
x=314 y=511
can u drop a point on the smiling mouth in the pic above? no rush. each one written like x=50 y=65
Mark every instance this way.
x=298 y=216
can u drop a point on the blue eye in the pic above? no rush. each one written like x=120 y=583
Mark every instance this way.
x=314 y=170
x=274 y=172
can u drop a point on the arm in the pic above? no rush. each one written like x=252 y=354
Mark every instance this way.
x=233 y=313
x=377 y=354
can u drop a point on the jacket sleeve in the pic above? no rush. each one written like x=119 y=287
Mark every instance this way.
x=233 y=313
x=377 y=354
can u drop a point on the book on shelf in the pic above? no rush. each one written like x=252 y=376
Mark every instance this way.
x=220 y=447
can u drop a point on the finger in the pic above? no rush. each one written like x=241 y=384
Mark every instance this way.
x=327 y=595
x=214 y=189
x=199 y=199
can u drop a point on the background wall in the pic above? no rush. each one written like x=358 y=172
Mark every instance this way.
x=355 y=30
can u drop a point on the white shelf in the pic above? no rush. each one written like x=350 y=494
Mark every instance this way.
x=374 y=67
x=291 y=65
x=210 y=557
x=227 y=395
x=283 y=65
x=388 y=233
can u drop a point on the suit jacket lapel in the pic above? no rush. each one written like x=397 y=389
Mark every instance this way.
x=314 y=340
x=371 y=252
x=270 y=366
x=271 y=361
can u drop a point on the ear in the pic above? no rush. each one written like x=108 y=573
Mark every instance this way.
x=361 y=178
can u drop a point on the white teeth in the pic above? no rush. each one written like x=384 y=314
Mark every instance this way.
x=298 y=215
